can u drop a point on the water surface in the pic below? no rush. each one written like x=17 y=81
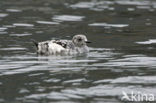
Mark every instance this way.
x=122 y=54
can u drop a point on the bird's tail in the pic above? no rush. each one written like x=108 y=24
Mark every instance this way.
x=35 y=42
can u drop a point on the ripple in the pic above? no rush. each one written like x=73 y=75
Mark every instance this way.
x=135 y=2
x=102 y=5
x=75 y=81
x=3 y=28
x=7 y=67
x=13 y=10
x=12 y=48
x=55 y=63
x=68 y=18
x=47 y=22
x=144 y=7
x=102 y=53
x=94 y=5
x=131 y=80
x=23 y=24
x=27 y=63
x=23 y=90
x=138 y=61
x=19 y=57
x=9 y=26
x=99 y=76
x=109 y=25
x=131 y=9
x=83 y=5
x=18 y=68
x=20 y=34
x=3 y=32
x=52 y=80
x=150 y=41
x=3 y=15
x=107 y=90
x=55 y=96
x=76 y=61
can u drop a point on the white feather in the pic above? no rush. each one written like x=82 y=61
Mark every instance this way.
x=55 y=48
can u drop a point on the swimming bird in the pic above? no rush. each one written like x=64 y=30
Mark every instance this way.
x=78 y=44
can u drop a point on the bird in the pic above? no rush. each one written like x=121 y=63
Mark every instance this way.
x=77 y=45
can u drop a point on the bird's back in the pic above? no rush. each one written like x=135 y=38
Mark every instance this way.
x=53 y=47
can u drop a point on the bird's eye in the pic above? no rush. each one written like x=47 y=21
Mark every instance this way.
x=79 y=39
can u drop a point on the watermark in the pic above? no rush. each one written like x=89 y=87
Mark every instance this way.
x=137 y=97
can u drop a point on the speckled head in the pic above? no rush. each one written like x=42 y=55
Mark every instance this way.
x=80 y=40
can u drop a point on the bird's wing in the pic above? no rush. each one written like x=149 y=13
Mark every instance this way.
x=63 y=43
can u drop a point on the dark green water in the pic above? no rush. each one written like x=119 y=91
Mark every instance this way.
x=122 y=56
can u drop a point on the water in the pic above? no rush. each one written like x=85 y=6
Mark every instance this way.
x=122 y=56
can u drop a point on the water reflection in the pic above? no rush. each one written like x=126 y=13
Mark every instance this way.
x=108 y=25
x=46 y=22
x=3 y=15
x=20 y=34
x=133 y=61
x=22 y=24
x=68 y=18
x=122 y=55
x=13 y=10
x=151 y=41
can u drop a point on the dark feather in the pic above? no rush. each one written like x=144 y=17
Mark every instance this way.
x=35 y=42
x=63 y=44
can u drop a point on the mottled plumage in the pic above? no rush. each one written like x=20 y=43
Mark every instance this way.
x=54 y=47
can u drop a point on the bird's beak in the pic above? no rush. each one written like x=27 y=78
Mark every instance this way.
x=88 y=42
